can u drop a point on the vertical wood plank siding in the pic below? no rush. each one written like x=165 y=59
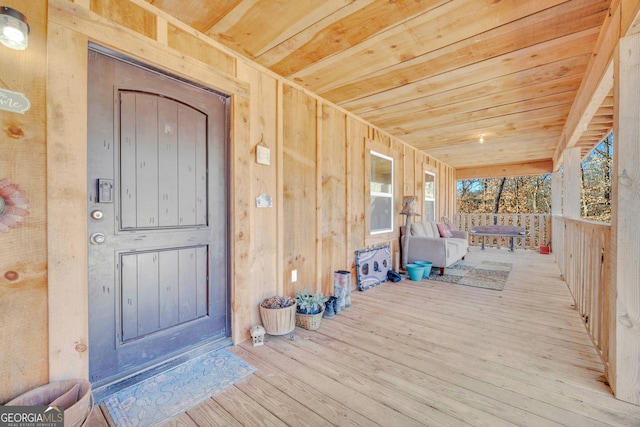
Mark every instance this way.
x=581 y=249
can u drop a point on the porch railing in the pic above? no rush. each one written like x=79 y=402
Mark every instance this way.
x=537 y=229
x=582 y=253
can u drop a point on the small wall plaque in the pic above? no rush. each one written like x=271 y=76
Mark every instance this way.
x=263 y=154
x=13 y=101
x=264 y=201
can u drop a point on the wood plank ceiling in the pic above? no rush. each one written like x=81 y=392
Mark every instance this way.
x=439 y=74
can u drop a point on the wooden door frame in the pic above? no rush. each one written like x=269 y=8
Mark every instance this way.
x=67 y=219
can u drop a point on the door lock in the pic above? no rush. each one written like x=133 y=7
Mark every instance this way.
x=105 y=190
x=98 y=238
x=97 y=215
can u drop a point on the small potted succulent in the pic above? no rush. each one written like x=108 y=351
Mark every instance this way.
x=278 y=315
x=309 y=309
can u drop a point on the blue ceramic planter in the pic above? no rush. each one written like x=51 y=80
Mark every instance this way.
x=427 y=267
x=415 y=271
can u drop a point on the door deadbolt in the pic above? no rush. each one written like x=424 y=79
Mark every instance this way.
x=97 y=238
x=97 y=215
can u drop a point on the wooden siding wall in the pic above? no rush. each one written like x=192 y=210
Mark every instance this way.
x=23 y=251
x=300 y=189
x=317 y=178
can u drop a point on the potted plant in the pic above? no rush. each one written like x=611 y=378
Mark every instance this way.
x=309 y=309
x=278 y=315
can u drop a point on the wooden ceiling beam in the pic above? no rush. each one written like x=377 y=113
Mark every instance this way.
x=512 y=169
x=464 y=160
x=596 y=85
x=630 y=22
x=623 y=19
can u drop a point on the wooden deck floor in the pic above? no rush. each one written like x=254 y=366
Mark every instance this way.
x=431 y=354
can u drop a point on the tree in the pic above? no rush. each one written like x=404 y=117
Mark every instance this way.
x=532 y=194
x=596 y=182
x=496 y=203
x=527 y=194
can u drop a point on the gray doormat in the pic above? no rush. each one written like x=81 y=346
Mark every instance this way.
x=161 y=397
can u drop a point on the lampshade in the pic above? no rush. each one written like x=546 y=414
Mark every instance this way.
x=14 y=30
x=408 y=206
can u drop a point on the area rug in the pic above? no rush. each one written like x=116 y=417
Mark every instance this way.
x=162 y=397
x=487 y=274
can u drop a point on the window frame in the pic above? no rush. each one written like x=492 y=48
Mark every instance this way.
x=435 y=194
x=390 y=194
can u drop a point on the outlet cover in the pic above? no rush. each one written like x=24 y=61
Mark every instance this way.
x=294 y=275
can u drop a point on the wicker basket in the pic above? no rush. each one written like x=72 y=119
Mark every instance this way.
x=278 y=321
x=309 y=321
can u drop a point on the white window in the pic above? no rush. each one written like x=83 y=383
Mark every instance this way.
x=429 y=196
x=381 y=208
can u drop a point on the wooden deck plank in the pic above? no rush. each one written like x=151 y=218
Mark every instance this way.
x=246 y=410
x=182 y=420
x=441 y=331
x=486 y=377
x=442 y=365
x=466 y=319
x=562 y=320
x=364 y=405
x=277 y=402
x=430 y=353
x=363 y=384
x=210 y=413
x=386 y=374
x=337 y=413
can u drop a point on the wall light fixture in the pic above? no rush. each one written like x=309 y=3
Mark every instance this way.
x=14 y=30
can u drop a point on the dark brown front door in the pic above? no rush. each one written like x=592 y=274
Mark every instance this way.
x=158 y=217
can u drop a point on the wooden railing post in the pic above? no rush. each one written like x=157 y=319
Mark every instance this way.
x=625 y=346
x=537 y=228
x=582 y=253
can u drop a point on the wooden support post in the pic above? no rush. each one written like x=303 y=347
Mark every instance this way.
x=556 y=193
x=66 y=205
x=571 y=183
x=625 y=239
